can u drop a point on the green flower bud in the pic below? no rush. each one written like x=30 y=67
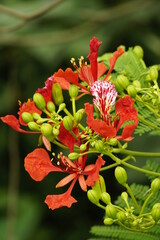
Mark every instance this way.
x=73 y=156
x=123 y=81
x=27 y=117
x=118 y=87
x=62 y=106
x=55 y=131
x=36 y=116
x=136 y=84
x=93 y=196
x=83 y=147
x=51 y=106
x=131 y=90
x=124 y=196
x=57 y=94
x=121 y=175
x=106 y=198
x=46 y=130
x=153 y=72
x=68 y=123
x=156 y=205
x=108 y=221
x=99 y=145
x=79 y=115
x=111 y=211
x=148 y=78
x=113 y=141
x=139 y=51
x=100 y=186
x=33 y=126
x=156 y=213
x=38 y=99
x=134 y=223
x=121 y=216
x=155 y=185
x=73 y=91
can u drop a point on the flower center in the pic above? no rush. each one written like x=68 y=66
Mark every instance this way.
x=105 y=97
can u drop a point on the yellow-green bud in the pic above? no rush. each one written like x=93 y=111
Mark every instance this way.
x=68 y=123
x=27 y=117
x=79 y=115
x=121 y=175
x=124 y=196
x=108 y=221
x=47 y=130
x=139 y=51
x=93 y=196
x=61 y=107
x=123 y=81
x=113 y=141
x=153 y=72
x=33 y=126
x=57 y=94
x=156 y=213
x=73 y=91
x=136 y=84
x=156 y=205
x=148 y=78
x=155 y=185
x=83 y=147
x=106 y=198
x=73 y=156
x=111 y=211
x=100 y=186
x=118 y=87
x=131 y=90
x=51 y=106
x=38 y=99
x=36 y=116
x=99 y=146
x=55 y=131
x=121 y=216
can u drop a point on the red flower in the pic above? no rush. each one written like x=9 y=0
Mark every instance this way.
x=46 y=91
x=125 y=111
x=38 y=165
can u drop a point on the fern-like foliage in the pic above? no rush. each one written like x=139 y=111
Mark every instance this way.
x=118 y=233
x=152 y=166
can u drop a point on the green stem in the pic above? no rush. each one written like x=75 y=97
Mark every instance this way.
x=101 y=206
x=114 y=164
x=146 y=201
x=135 y=153
x=132 y=196
x=141 y=169
x=73 y=106
x=60 y=145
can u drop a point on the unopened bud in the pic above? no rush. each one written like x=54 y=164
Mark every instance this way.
x=73 y=156
x=46 y=130
x=123 y=81
x=124 y=196
x=111 y=211
x=73 y=91
x=156 y=213
x=113 y=141
x=68 y=123
x=38 y=99
x=155 y=185
x=131 y=91
x=79 y=115
x=136 y=84
x=108 y=221
x=57 y=94
x=55 y=131
x=99 y=145
x=62 y=106
x=33 y=126
x=153 y=72
x=50 y=106
x=100 y=186
x=36 y=116
x=27 y=117
x=93 y=196
x=121 y=216
x=121 y=175
x=106 y=198
x=139 y=51
x=83 y=147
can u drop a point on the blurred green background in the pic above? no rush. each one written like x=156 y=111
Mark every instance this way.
x=36 y=38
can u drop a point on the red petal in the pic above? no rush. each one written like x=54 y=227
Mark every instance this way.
x=94 y=46
x=66 y=138
x=97 y=125
x=113 y=60
x=85 y=74
x=38 y=164
x=27 y=107
x=46 y=143
x=13 y=122
x=66 y=77
x=101 y=69
x=94 y=174
x=61 y=200
x=47 y=90
x=82 y=183
x=66 y=180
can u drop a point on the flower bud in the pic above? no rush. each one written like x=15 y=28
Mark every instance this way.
x=79 y=115
x=153 y=72
x=73 y=156
x=123 y=81
x=131 y=90
x=36 y=116
x=139 y=51
x=57 y=94
x=83 y=147
x=111 y=211
x=100 y=186
x=121 y=175
x=27 y=117
x=33 y=126
x=38 y=99
x=99 y=145
x=68 y=123
x=124 y=196
x=156 y=205
x=136 y=84
x=93 y=196
x=121 y=216
x=55 y=131
x=113 y=141
x=61 y=107
x=73 y=91
x=106 y=198
x=155 y=185
x=108 y=221
x=156 y=213
x=50 y=106
x=119 y=89
x=46 y=130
